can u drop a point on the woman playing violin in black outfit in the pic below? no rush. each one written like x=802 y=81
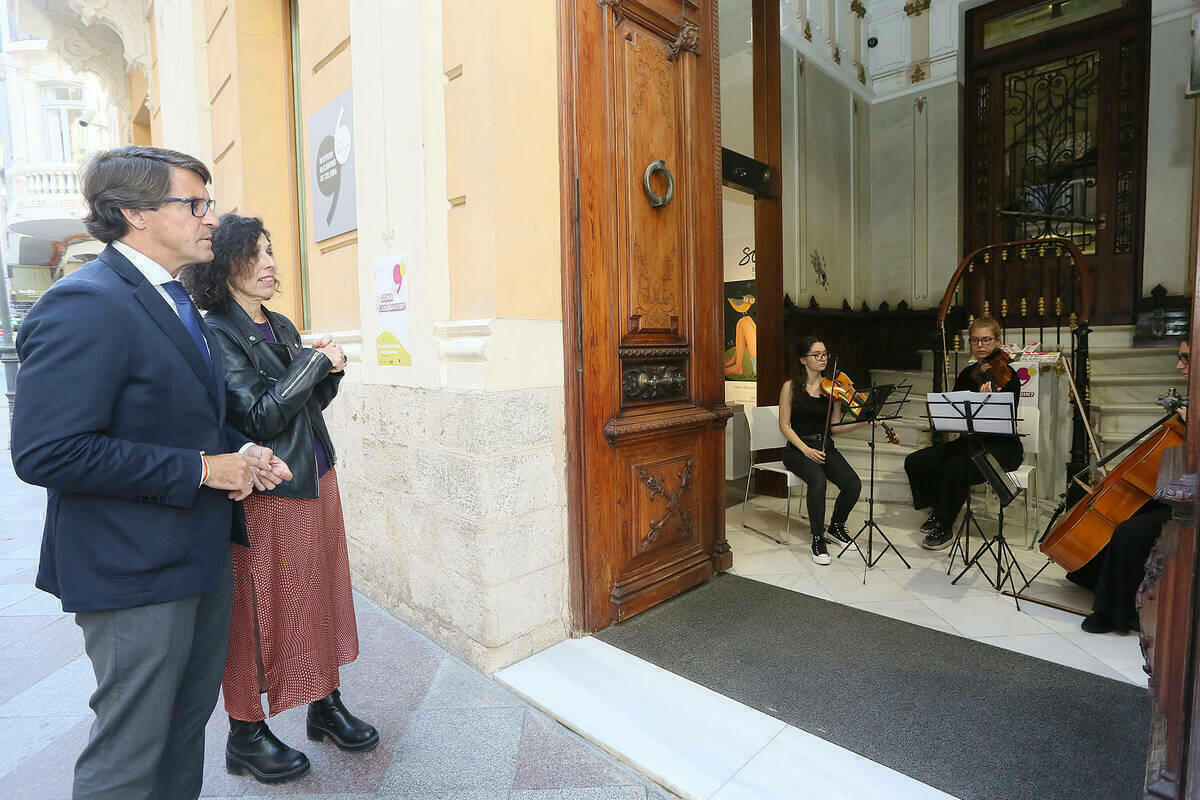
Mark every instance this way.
x=942 y=475
x=804 y=415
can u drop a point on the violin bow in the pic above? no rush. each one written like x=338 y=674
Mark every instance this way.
x=1087 y=423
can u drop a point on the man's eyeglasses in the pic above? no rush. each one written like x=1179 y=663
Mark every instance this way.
x=1183 y=358
x=200 y=205
x=982 y=340
x=822 y=355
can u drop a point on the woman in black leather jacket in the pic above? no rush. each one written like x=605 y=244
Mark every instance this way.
x=293 y=612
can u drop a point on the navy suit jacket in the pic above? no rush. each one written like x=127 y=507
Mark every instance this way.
x=114 y=403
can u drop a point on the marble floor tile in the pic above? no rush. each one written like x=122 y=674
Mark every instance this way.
x=805 y=584
x=1055 y=648
x=931 y=581
x=11 y=593
x=849 y=586
x=777 y=561
x=458 y=686
x=687 y=737
x=913 y=611
x=552 y=757
x=602 y=793
x=22 y=737
x=1137 y=677
x=799 y=766
x=1122 y=652
x=38 y=603
x=457 y=748
x=991 y=615
x=29 y=551
x=62 y=693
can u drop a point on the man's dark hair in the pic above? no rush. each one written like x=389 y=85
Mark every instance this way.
x=234 y=246
x=129 y=177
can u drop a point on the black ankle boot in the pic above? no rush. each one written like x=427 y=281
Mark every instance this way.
x=328 y=717
x=253 y=748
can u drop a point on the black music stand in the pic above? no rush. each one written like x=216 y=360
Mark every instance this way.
x=879 y=406
x=971 y=413
x=1001 y=483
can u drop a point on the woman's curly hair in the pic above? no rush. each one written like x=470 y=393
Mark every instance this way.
x=234 y=245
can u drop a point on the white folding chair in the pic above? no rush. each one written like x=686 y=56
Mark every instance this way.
x=763 y=422
x=1025 y=476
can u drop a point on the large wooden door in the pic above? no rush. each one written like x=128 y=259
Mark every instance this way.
x=1055 y=144
x=642 y=292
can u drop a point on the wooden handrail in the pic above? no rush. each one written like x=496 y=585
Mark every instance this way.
x=1086 y=289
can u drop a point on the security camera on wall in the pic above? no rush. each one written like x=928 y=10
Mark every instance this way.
x=87 y=118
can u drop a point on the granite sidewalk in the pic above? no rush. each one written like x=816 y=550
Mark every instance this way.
x=447 y=731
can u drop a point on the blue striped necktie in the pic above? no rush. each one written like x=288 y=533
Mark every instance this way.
x=190 y=318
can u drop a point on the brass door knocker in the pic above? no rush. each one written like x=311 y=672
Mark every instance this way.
x=658 y=200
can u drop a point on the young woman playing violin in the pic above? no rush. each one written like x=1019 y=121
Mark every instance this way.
x=804 y=418
x=941 y=476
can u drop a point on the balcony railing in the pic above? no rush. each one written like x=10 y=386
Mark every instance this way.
x=46 y=179
x=45 y=200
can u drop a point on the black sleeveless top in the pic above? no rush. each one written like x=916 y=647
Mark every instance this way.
x=808 y=412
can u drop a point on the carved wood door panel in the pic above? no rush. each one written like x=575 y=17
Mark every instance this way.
x=645 y=397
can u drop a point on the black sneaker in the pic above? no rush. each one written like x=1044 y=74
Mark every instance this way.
x=928 y=525
x=819 y=553
x=840 y=537
x=937 y=539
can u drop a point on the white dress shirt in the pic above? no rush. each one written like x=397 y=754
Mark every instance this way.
x=158 y=275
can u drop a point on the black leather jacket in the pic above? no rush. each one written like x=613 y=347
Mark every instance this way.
x=276 y=391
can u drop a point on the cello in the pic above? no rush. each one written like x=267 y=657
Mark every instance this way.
x=1089 y=525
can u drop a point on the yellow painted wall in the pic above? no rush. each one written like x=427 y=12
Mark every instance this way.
x=502 y=177
x=325 y=74
x=248 y=79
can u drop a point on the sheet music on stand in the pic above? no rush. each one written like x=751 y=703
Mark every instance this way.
x=972 y=412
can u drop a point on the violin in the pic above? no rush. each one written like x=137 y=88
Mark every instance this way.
x=840 y=388
x=994 y=368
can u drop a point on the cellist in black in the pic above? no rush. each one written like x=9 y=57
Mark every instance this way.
x=941 y=476
x=1116 y=572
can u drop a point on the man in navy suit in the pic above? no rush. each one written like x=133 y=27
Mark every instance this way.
x=120 y=414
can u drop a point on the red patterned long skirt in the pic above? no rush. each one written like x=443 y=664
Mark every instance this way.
x=293 y=613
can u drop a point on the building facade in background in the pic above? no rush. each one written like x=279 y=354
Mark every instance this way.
x=406 y=156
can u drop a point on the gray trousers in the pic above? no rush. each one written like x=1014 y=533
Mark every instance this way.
x=158 y=671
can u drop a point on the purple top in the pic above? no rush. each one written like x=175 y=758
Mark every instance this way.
x=322 y=457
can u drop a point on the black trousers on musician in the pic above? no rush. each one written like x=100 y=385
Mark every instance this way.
x=817 y=477
x=1116 y=572
x=942 y=475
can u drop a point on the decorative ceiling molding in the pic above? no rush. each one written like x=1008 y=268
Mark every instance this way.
x=92 y=50
x=126 y=18
x=915 y=8
x=917 y=74
x=858 y=8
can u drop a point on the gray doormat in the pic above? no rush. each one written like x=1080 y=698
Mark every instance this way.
x=970 y=719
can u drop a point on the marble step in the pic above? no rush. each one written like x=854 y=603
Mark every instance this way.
x=910 y=429
x=889 y=458
x=1129 y=361
x=1126 y=418
x=922 y=382
x=1107 y=389
x=890 y=487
